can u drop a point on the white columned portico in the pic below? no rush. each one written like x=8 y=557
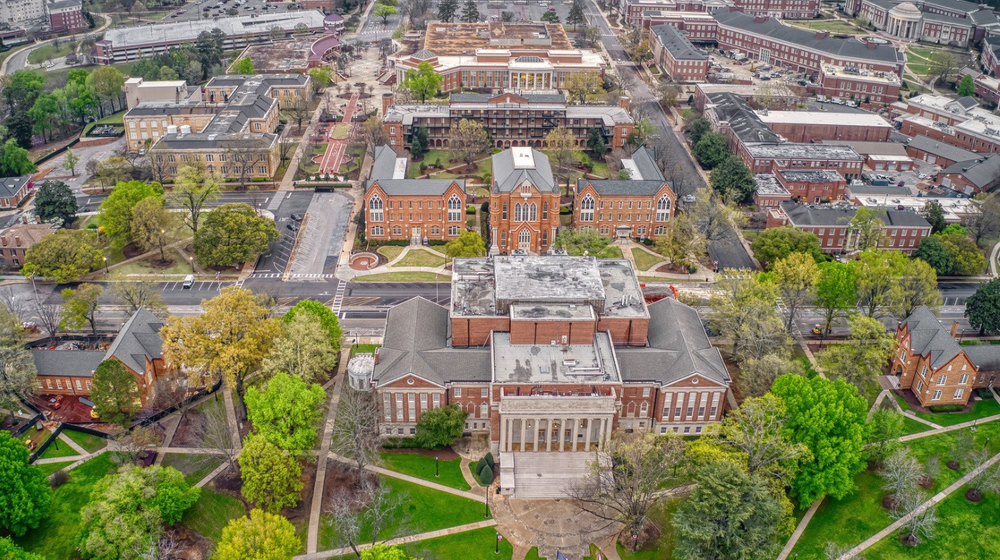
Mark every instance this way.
x=524 y=424
x=586 y=445
x=548 y=435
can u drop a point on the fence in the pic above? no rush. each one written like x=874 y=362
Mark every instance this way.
x=174 y=408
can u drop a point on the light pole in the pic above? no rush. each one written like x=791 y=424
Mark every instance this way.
x=191 y=260
x=496 y=549
x=487 y=516
x=437 y=471
x=106 y=271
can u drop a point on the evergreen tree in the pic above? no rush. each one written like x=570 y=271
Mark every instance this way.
x=470 y=13
x=575 y=16
x=447 y=9
x=595 y=141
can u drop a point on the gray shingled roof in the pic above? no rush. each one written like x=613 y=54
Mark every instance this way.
x=138 y=340
x=980 y=172
x=678 y=348
x=676 y=43
x=967 y=101
x=416 y=187
x=936 y=148
x=621 y=187
x=506 y=176
x=416 y=341
x=849 y=48
x=384 y=165
x=644 y=160
x=842 y=214
x=68 y=363
x=742 y=119
x=928 y=336
x=986 y=357
x=10 y=185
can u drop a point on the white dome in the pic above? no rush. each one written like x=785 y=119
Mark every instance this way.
x=906 y=10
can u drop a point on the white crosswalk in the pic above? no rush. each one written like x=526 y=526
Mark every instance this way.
x=291 y=276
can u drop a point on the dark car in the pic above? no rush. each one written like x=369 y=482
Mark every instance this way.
x=293 y=226
x=297 y=217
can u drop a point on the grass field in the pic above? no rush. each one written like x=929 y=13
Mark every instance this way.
x=58 y=449
x=306 y=164
x=363 y=348
x=404 y=277
x=663 y=549
x=980 y=409
x=48 y=52
x=470 y=545
x=420 y=257
x=422 y=466
x=49 y=468
x=55 y=537
x=86 y=441
x=194 y=467
x=115 y=118
x=644 y=260
x=911 y=426
x=211 y=513
x=611 y=252
x=440 y=158
x=389 y=251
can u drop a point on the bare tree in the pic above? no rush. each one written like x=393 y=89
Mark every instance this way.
x=900 y=471
x=355 y=429
x=218 y=435
x=139 y=294
x=128 y=445
x=834 y=551
x=243 y=155
x=14 y=304
x=384 y=505
x=371 y=505
x=49 y=315
x=987 y=479
x=920 y=521
x=345 y=515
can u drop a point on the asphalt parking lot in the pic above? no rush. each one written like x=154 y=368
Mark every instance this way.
x=196 y=10
x=527 y=11
x=272 y=264
x=322 y=238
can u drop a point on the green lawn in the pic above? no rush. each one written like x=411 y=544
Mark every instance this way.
x=389 y=251
x=404 y=277
x=980 y=409
x=611 y=252
x=179 y=266
x=420 y=257
x=472 y=470
x=423 y=510
x=364 y=349
x=644 y=260
x=911 y=426
x=662 y=549
x=306 y=164
x=194 y=467
x=470 y=545
x=211 y=513
x=86 y=441
x=422 y=466
x=48 y=52
x=831 y=25
x=55 y=537
x=58 y=449
x=440 y=157
x=49 y=468
x=601 y=169
x=115 y=118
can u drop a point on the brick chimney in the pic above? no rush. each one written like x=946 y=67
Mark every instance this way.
x=377 y=348
x=954 y=328
x=17 y=240
x=761 y=19
x=3 y=240
x=871 y=45
x=625 y=103
x=822 y=34
x=387 y=100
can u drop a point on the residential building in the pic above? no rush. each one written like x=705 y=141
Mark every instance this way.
x=937 y=153
x=698 y=27
x=812 y=185
x=903 y=229
x=785 y=9
x=973 y=176
x=524 y=202
x=137 y=346
x=15 y=242
x=66 y=16
x=17 y=13
x=769 y=192
x=810 y=126
x=934 y=367
x=132 y=43
x=416 y=209
x=13 y=190
x=880 y=156
x=639 y=207
x=953 y=22
x=675 y=54
x=510 y=119
x=548 y=355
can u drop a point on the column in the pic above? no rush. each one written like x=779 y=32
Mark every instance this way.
x=548 y=435
x=576 y=426
x=503 y=435
x=562 y=434
x=523 y=426
x=586 y=445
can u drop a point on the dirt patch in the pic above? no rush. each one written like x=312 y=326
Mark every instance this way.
x=301 y=511
x=446 y=454
x=973 y=495
x=672 y=268
x=927 y=482
x=190 y=430
x=131 y=250
x=229 y=481
x=908 y=540
x=953 y=465
x=189 y=544
x=160 y=264
x=889 y=502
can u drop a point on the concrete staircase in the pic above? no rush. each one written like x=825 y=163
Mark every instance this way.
x=548 y=475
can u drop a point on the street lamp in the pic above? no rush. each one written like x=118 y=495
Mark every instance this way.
x=487 y=516
x=437 y=471
x=496 y=550
x=191 y=260
x=105 y=266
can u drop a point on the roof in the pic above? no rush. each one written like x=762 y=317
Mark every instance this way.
x=870 y=120
x=768 y=185
x=928 y=336
x=416 y=341
x=9 y=186
x=138 y=341
x=260 y=24
x=68 y=363
x=625 y=187
x=678 y=347
x=980 y=172
x=416 y=187
x=935 y=148
x=744 y=122
x=810 y=175
x=514 y=166
x=386 y=164
x=644 y=164
x=844 y=48
x=790 y=150
x=486 y=97
x=986 y=357
x=874 y=148
x=29 y=233
x=841 y=214
x=676 y=43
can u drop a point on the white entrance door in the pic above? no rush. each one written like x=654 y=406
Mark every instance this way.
x=415 y=236
x=524 y=240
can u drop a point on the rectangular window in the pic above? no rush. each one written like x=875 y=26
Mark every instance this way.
x=937 y=396
x=436 y=400
x=411 y=401
x=959 y=392
x=423 y=401
x=645 y=392
x=690 y=412
x=666 y=405
x=484 y=392
x=942 y=379
x=964 y=379
x=386 y=406
x=920 y=386
x=399 y=407
x=458 y=391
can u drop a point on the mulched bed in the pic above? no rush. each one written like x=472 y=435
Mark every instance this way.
x=190 y=545
x=672 y=268
x=229 y=481
x=157 y=263
x=973 y=495
x=301 y=511
x=953 y=465
x=191 y=429
x=889 y=502
x=131 y=250
x=446 y=454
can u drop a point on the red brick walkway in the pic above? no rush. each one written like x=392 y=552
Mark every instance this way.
x=335 y=149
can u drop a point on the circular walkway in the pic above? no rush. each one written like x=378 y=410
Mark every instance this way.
x=551 y=525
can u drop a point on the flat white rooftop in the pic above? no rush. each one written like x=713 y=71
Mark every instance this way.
x=821 y=118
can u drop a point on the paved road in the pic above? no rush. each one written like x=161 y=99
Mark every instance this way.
x=92 y=203
x=18 y=60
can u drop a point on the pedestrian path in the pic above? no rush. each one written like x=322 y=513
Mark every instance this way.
x=799 y=529
x=316 y=507
x=476 y=493
x=400 y=540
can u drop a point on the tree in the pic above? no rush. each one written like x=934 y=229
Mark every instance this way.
x=756 y=431
x=327 y=318
x=592 y=35
x=983 y=308
x=64 y=256
x=115 y=393
x=774 y=244
x=900 y=472
x=14 y=160
x=305 y=351
x=24 y=491
x=116 y=210
x=468 y=244
x=917 y=286
x=550 y=17
x=245 y=65
x=385 y=552
x=733 y=180
x=943 y=66
x=259 y=536
x=108 y=83
x=152 y=225
x=583 y=86
x=287 y=411
x=698 y=129
x=440 y=427
x=711 y=150
x=884 y=429
x=230 y=339
x=982 y=219
x=127 y=510
x=681 y=242
x=965 y=256
x=562 y=145
x=80 y=307
x=576 y=16
x=373 y=133
x=70 y=161
x=859 y=360
x=193 y=188
x=744 y=307
x=713 y=217
x=876 y=273
x=729 y=514
x=582 y=242
x=867 y=230
x=470 y=13
x=418 y=143
x=270 y=475
x=757 y=375
x=835 y=292
x=797 y=276
x=356 y=428
x=10 y=551
x=233 y=234
x=55 y=203
x=934 y=252
x=595 y=142
x=644 y=132
x=112 y=171
x=422 y=82
x=468 y=140
x=920 y=521
x=17 y=367
x=828 y=417
x=138 y=294
x=966 y=87
x=933 y=212
x=641 y=463
x=447 y=9
x=218 y=435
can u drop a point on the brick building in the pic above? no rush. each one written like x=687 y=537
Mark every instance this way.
x=937 y=153
x=416 y=209
x=961 y=123
x=881 y=156
x=991 y=55
x=698 y=27
x=675 y=54
x=524 y=202
x=831 y=223
x=639 y=207
x=938 y=108
x=954 y=22
x=934 y=367
x=832 y=128
x=138 y=347
x=548 y=355
x=13 y=190
x=510 y=119
x=66 y=16
x=769 y=193
x=973 y=176
x=635 y=10
x=16 y=240
x=812 y=185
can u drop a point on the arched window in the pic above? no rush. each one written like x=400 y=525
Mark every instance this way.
x=524 y=239
x=454 y=209
x=517 y=212
x=545 y=238
x=375 y=209
x=587 y=209
x=504 y=211
x=663 y=209
x=534 y=212
x=503 y=238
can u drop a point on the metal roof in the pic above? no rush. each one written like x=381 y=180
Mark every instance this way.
x=980 y=172
x=508 y=174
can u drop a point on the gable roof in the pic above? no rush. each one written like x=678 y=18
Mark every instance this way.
x=416 y=187
x=986 y=357
x=622 y=187
x=980 y=172
x=138 y=340
x=644 y=161
x=936 y=148
x=384 y=164
x=9 y=186
x=67 y=363
x=928 y=336
x=678 y=348
x=508 y=173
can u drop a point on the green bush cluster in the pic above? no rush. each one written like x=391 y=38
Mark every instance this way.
x=484 y=469
x=946 y=408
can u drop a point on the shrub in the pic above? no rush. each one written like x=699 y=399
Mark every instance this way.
x=486 y=476
x=480 y=466
x=489 y=460
x=436 y=242
x=58 y=479
x=485 y=207
x=945 y=408
x=984 y=393
x=471 y=209
x=563 y=210
x=470 y=222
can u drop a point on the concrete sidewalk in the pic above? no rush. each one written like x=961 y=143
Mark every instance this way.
x=399 y=540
